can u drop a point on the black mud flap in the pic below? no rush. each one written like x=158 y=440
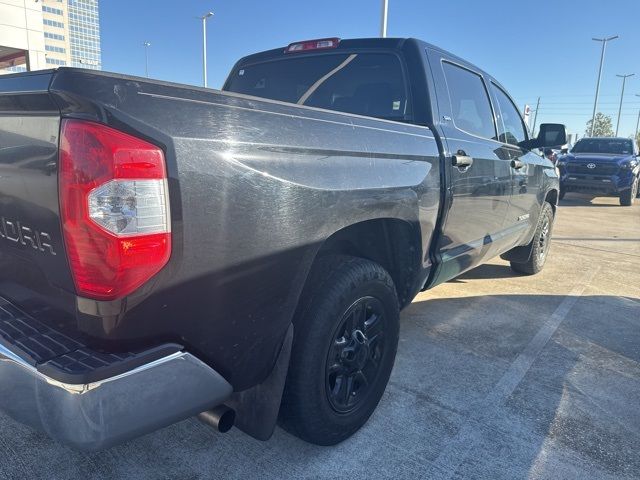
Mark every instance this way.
x=257 y=408
x=518 y=254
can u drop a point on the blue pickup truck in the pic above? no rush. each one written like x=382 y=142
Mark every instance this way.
x=608 y=166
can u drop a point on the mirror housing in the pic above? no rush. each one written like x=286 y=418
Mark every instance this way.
x=550 y=135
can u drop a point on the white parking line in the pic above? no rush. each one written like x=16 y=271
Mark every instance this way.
x=468 y=436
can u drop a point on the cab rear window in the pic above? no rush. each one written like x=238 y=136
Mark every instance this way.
x=368 y=84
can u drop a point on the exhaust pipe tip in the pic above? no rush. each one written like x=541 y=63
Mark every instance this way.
x=222 y=418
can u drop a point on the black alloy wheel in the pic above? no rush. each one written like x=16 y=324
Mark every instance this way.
x=353 y=361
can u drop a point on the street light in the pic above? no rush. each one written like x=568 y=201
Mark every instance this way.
x=624 y=80
x=146 y=46
x=204 y=45
x=535 y=117
x=638 y=122
x=595 y=103
x=383 y=19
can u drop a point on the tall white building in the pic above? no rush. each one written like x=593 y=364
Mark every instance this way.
x=39 y=34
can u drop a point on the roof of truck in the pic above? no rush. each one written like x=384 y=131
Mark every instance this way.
x=348 y=44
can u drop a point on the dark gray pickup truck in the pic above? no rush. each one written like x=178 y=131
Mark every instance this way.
x=168 y=251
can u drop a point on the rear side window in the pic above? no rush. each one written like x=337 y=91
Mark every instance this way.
x=368 y=84
x=470 y=106
x=510 y=126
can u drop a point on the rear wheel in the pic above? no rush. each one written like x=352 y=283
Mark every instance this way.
x=628 y=196
x=345 y=342
x=539 y=245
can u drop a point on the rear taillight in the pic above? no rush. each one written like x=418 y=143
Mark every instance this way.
x=114 y=207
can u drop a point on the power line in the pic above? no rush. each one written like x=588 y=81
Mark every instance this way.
x=571 y=95
x=586 y=103
x=582 y=114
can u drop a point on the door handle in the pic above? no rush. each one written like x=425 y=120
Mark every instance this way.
x=517 y=164
x=461 y=161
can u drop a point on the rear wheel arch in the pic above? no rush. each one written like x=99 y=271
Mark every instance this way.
x=392 y=243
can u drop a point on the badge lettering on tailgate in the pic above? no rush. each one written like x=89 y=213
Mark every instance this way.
x=15 y=232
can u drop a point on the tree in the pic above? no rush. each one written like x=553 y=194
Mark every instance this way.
x=603 y=128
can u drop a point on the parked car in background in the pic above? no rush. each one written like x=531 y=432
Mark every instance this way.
x=603 y=166
x=243 y=255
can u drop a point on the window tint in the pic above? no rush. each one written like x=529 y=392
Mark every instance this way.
x=364 y=84
x=470 y=107
x=510 y=127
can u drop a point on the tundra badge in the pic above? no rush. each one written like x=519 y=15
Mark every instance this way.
x=14 y=231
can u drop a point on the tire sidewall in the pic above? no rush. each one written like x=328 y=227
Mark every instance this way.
x=538 y=263
x=628 y=196
x=316 y=329
x=364 y=410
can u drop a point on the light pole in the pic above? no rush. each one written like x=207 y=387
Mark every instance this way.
x=624 y=80
x=383 y=19
x=146 y=46
x=595 y=103
x=638 y=122
x=535 y=117
x=204 y=45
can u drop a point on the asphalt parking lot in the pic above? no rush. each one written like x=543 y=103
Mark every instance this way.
x=498 y=376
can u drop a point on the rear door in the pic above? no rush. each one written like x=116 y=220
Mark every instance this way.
x=526 y=170
x=479 y=193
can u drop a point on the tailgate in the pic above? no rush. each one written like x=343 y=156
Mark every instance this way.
x=34 y=273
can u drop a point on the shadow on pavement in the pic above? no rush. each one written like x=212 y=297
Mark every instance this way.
x=593 y=239
x=582 y=200
x=573 y=412
x=486 y=271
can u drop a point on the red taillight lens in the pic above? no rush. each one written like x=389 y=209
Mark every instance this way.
x=114 y=207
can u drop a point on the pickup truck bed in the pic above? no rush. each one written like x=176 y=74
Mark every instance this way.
x=258 y=193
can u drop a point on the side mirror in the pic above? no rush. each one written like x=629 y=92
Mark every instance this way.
x=550 y=135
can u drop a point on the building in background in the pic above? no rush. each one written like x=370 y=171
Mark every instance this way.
x=21 y=36
x=38 y=34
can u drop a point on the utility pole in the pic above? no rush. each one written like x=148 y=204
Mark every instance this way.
x=624 y=80
x=535 y=119
x=595 y=103
x=204 y=45
x=383 y=20
x=146 y=58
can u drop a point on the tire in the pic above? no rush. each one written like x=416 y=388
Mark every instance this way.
x=561 y=194
x=340 y=366
x=539 y=245
x=628 y=196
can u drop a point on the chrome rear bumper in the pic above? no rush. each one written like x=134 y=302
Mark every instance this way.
x=98 y=415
